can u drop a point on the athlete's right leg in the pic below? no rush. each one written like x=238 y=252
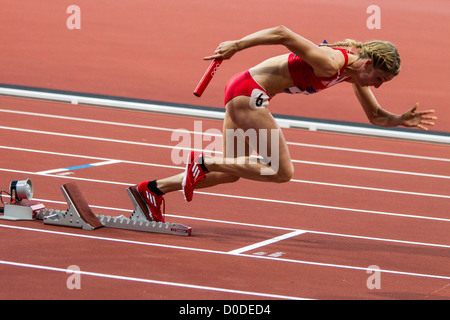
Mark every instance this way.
x=236 y=161
x=268 y=141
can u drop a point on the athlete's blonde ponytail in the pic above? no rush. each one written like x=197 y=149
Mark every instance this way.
x=384 y=55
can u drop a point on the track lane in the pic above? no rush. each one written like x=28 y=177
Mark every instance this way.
x=309 y=190
x=235 y=271
x=215 y=235
x=290 y=215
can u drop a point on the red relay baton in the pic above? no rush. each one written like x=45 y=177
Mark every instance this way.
x=204 y=81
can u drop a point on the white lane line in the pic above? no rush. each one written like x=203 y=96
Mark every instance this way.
x=89 y=157
x=216 y=152
x=65 y=177
x=150 y=281
x=267 y=242
x=218 y=135
x=107 y=160
x=324 y=206
x=372 y=169
x=312 y=263
x=333 y=234
x=248 y=198
x=337 y=185
x=77 y=136
x=390 y=154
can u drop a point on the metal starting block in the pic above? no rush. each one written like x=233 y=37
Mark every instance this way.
x=140 y=219
x=79 y=215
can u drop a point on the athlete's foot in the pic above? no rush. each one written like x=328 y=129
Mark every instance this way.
x=194 y=174
x=153 y=201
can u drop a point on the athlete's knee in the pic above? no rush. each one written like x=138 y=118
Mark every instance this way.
x=285 y=175
x=282 y=175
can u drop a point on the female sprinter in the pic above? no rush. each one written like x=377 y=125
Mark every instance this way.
x=307 y=69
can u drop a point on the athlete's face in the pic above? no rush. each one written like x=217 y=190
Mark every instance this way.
x=369 y=76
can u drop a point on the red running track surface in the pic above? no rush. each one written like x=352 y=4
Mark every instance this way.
x=154 y=49
x=355 y=202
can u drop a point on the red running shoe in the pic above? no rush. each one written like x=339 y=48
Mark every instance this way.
x=153 y=202
x=193 y=175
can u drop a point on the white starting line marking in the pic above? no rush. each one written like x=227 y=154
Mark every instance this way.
x=267 y=242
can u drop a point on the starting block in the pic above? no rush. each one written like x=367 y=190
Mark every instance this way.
x=79 y=215
x=140 y=219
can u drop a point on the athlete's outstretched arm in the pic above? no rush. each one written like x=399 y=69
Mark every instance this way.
x=324 y=62
x=383 y=118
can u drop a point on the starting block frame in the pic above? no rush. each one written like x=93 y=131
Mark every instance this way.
x=122 y=222
x=79 y=215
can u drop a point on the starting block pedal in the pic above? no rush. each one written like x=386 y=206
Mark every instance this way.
x=140 y=219
x=141 y=210
x=78 y=215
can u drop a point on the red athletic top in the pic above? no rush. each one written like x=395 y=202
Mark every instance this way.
x=306 y=81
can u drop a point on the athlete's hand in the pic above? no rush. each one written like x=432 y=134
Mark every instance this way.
x=225 y=51
x=420 y=119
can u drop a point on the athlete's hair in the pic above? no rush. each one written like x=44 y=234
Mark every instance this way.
x=384 y=55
